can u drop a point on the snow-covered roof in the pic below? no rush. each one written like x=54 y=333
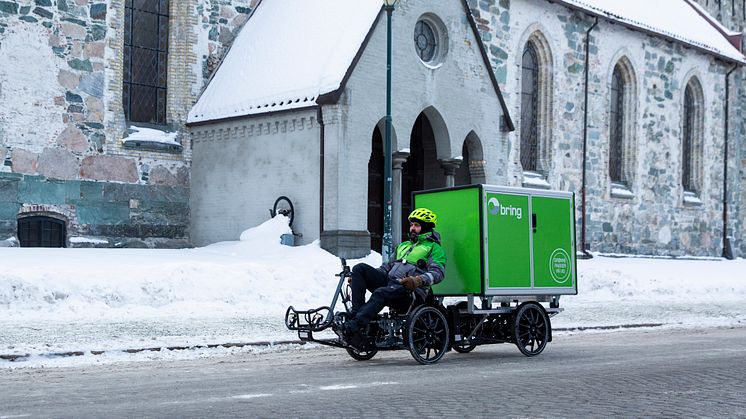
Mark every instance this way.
x=677 y=19
x=288 y=54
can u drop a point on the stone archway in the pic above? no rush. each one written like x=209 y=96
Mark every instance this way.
x=471 y=170
x=422 y=169
x=375 y=191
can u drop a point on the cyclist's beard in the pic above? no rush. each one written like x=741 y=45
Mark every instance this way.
x=413 y=237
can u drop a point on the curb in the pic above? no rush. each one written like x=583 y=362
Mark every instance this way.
x=26 y=357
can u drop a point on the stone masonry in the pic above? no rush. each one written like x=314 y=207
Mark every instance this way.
x=655 y=218
x=62 y=122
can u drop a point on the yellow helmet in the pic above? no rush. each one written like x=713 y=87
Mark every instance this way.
x=423 y=215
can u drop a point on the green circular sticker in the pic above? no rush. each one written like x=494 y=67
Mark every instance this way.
x=559 y=266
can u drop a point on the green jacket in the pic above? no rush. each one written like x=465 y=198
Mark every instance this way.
x=428 y=250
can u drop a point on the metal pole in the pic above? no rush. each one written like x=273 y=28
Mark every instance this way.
x=387 y=249
x=583 y=242
x=726 y=245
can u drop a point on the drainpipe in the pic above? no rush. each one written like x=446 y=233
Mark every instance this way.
x=727 y=251
x=583 y=243
x=320 y=118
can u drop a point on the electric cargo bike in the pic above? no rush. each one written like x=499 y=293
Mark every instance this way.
x=510 y=257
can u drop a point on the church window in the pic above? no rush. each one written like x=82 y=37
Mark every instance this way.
x=622 y=129
x=535 y=126
x=431 y=40
x=425 y=41
x=145 y=61
x=529 y=108
x=616 y=123
x=692 y=141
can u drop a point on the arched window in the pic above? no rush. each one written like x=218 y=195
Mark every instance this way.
x=145 y=61
x=535 y=154
x=616 y=125
x=692 y=138
x=691 y=141
x=529 y=108
x=622 y=128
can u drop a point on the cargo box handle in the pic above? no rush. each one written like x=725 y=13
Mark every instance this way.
x=533 y=222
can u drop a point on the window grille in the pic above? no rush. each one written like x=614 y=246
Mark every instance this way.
x=41 y=232
x=529 y=108
x=425 y=41
x=616 y=135
x=145 y=60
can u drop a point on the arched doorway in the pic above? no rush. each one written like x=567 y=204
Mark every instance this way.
x=422 y=169
x=471 y=170
x=375 y=192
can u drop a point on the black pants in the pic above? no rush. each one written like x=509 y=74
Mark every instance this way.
x=385 y=292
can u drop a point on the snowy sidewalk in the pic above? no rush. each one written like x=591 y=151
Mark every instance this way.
x=233 y=296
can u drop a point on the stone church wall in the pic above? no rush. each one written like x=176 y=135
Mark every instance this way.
x=62 y=121
x=655 y=220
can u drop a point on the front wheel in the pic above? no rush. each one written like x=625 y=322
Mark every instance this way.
x=531 y=329
x=427 y=335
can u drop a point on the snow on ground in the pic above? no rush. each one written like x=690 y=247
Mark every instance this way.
x=60 y=300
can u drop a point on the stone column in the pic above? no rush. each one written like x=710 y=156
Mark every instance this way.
x=397 y=161
x=449 y=167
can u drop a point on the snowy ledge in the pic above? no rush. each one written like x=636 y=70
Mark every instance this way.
x=149 y=139
x=621 y=191
x=535 y=180
x=692 y=200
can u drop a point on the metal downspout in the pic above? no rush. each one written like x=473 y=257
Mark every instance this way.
x=583 y=243
x=727 y=253
x=320 y=118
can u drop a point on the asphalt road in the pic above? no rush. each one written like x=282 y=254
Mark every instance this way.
x=654 y=372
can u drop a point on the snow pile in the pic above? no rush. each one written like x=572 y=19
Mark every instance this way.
x=141 y=134
x=255 y=276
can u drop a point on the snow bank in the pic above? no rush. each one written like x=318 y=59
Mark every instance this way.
x=56 y=300
x=254 y=276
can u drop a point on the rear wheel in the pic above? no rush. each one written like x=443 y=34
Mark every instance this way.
x=466 y=327
x=531 y=329
x=361 y=355
x=427 y=335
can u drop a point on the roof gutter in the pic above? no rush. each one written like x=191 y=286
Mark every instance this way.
x=727 y=245
x=583 y=243
x=320 y=118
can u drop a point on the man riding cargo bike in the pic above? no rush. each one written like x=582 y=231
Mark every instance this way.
x=418 y=263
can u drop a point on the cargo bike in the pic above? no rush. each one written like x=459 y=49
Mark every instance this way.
x=510 y=257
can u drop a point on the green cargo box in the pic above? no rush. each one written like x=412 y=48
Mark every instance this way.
x=503 y=241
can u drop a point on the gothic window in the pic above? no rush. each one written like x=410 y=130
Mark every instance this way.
x=692 y=141
x=616 y=123
x=529 y=108
x=535 y=149
x=145 y=61
x=622 y=128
